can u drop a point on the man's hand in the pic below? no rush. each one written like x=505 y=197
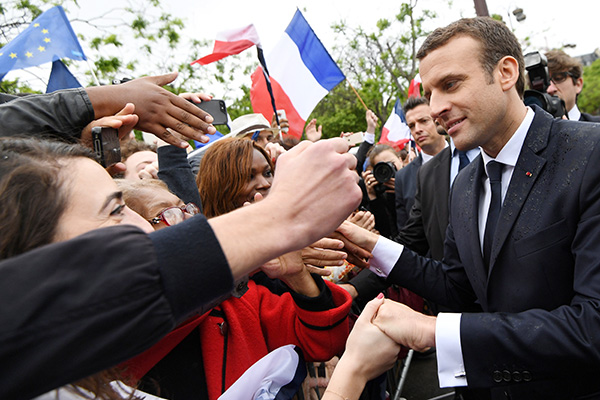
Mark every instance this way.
x=157 y=108
x=359 y=237
x=315 y=186
x=406 y=326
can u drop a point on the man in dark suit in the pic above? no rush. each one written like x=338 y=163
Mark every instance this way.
x=424 y=131
x=566 y=82
x=522 y=236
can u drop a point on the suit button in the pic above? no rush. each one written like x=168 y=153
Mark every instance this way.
x=526 y=376
x=497 y=376
x=506 y=375
x=516 y=376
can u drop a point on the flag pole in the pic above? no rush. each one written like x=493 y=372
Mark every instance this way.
x=357 y=95
x=92 y=72
x=263 y=63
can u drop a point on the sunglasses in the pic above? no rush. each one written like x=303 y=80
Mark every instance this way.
x=560 y=77
x=174 y=215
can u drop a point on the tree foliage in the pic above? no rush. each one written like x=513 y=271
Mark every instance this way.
x=589 y=99
x=379 y=63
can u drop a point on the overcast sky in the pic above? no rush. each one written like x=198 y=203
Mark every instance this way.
x=549 y=23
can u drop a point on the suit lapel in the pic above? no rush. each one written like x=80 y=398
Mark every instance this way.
x=525 y=174
x=441 y=199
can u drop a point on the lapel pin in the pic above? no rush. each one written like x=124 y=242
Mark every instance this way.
x=529 y=174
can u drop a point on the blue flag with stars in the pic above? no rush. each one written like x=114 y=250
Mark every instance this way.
x=48 y=38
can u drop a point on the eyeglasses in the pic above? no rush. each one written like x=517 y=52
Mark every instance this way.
x=560 y=77
x=174 y=215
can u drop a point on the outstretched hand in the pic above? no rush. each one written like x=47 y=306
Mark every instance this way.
x=160 y=111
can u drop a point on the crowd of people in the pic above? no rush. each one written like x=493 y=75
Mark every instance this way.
x=186 y=275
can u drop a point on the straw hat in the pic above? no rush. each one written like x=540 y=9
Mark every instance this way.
x=249 y=123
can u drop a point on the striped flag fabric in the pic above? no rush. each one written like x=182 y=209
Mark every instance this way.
x=301 y=73
x=231 y=42
x=414 y=90
x=395 y=131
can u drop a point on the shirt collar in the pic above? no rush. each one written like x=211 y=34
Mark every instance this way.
x=470 y=153
x=574 y=113
x=511 y=150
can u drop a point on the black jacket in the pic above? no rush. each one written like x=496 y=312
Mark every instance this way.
x=63 y=113
x=74 y=308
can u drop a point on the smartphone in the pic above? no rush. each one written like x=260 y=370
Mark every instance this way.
x=281 y=115
x=216 y=108
x=106 y=145
x=355 y=139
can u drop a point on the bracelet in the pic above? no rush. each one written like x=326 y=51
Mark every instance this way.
x=337 y=394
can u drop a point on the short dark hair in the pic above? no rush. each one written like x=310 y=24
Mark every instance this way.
x=559 y=61
x=414 y=102
x=497 y=41
x=32 y=191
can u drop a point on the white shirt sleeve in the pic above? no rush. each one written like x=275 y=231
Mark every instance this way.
x=451 y=369
x=369 y=137
x=385 y=255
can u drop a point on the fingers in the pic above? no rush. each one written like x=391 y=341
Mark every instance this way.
x=323 y=257
x=196 y=97
x=319 y=271
x=328 y=243
x=162 y=80
x=116 y=169
x=370 y=311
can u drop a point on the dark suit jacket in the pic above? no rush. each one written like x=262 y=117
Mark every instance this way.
x=539 y=335
x=589 y=118
x=425 y=230
x=406 y=187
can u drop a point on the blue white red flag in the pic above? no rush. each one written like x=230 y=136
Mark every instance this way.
x=395 y=132
x=231 y=42
x=48 y=38
x=301 y=73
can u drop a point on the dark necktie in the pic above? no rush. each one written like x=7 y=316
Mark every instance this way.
x=463 y=160
x=494 y=170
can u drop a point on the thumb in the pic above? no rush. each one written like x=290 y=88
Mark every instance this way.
x=162 y=80
x=370 y=310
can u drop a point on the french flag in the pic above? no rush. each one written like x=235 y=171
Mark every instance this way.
x=395 y=132
x=301 y=73
x=414 y=90
x=231 y=42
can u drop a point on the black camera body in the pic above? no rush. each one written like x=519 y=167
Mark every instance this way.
x=536 y=65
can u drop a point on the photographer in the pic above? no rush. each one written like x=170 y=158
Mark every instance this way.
x=425 y=133
x=378 y=178
x=566 y=82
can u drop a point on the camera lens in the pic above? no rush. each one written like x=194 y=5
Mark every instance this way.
x=384 y=171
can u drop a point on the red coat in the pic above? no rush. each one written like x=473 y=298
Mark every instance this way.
x=256 y=323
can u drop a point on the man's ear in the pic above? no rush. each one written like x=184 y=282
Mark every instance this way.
x=578 y=85
x=508 y=72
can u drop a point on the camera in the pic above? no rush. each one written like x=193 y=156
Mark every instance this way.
x=536 y=65
x=384 y=171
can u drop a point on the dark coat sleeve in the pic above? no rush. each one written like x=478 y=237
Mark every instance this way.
x=175 y=170
x=361 y=155
x=63 y=113
x=74 y=308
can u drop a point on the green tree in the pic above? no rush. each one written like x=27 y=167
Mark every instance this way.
x=380 y=63
x=589 y=99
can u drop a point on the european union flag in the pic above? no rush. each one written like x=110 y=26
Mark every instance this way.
x=48 y=38
x=61 y=78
